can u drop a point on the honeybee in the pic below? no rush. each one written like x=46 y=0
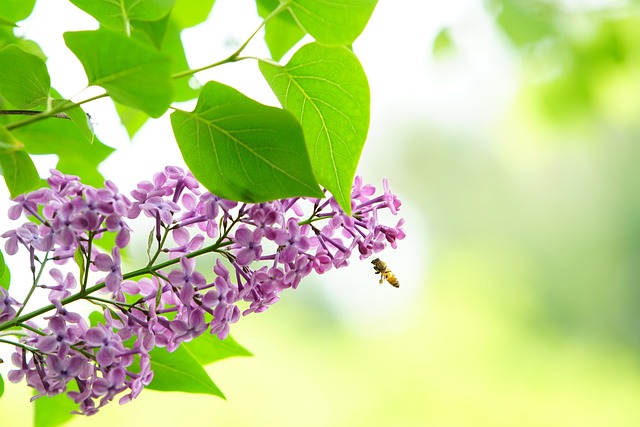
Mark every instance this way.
x=380 y=267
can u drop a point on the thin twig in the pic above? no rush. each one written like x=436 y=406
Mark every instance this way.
x=31 y=113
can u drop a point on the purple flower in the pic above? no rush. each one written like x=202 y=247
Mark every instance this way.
x=157 y=206
x=187 y=274
x=392 y=201
x=186 y=330
x=28 y=203
x=64 y=185
x=264 y=216
x=104 y=262
x=29 y=234
x=223 y=315
x=292 y=240
x=63 y=285
x=66 y=225
x=110 y=385
x=186 y=245
x=116 y=202
x=116 y=223
x=59 y=339
x=144 y=378
x=247 y=245
x=64 y=369
x=177 y=303
x=108 y=344
x=269 y=280
x=7 y=312
x=301 y=268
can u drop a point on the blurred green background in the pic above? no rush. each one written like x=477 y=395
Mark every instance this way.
x=511 y=131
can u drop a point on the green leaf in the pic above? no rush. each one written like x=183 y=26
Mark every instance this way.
x=5 y=274
x=281 y=32
x=164 y=35
x=5 y=280
x=8 y=142
x=16 y=10
x=173 y=48
x=243 y=150
x=151 y=31
x=19 y=172
x=333 y=22
x=24 y=80
x=7 y=38
x=327 y=90
x=131 y=119
x=1 y=385
x=180 y=371
x=54 y=411
x=443 y=44
x=78 y=257
x=118 y=14
x=77 y=155
x=188 y=13
x=132 y=73
x=526 y=22
x=77 y=116
x=96 y=317
x=6 y=23
x=3 y=265
x=209 y=348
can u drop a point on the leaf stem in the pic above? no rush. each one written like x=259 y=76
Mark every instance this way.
x=235 y=56
x=31 y=113
x=36 y=279
x=63 y=106
x=83 y=280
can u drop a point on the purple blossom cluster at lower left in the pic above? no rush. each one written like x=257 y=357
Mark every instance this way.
x=259 y=250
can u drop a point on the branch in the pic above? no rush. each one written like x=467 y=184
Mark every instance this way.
x=31 y=113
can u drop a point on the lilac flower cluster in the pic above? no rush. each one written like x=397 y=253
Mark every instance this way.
x=259 y=249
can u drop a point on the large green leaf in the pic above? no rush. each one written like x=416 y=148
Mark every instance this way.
x=327 y=90
x=164 y=35
x=5 y=279
x=54 y=411
x=16 y=10
x=209 y=348
x=79 y=118
x=188 y=13
x=24 y=80
x=132 y=73
x=19 y=172
x=281 y=32
x=118 y=14
x=7 y=38
x=5 y=275
x=173 y=48
x=3 y=265
x=151 y=31
x=243 y=150
x=180 y=371
x=131 y=119
x=77 y=154
x=333 y=22
x=8 y=141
